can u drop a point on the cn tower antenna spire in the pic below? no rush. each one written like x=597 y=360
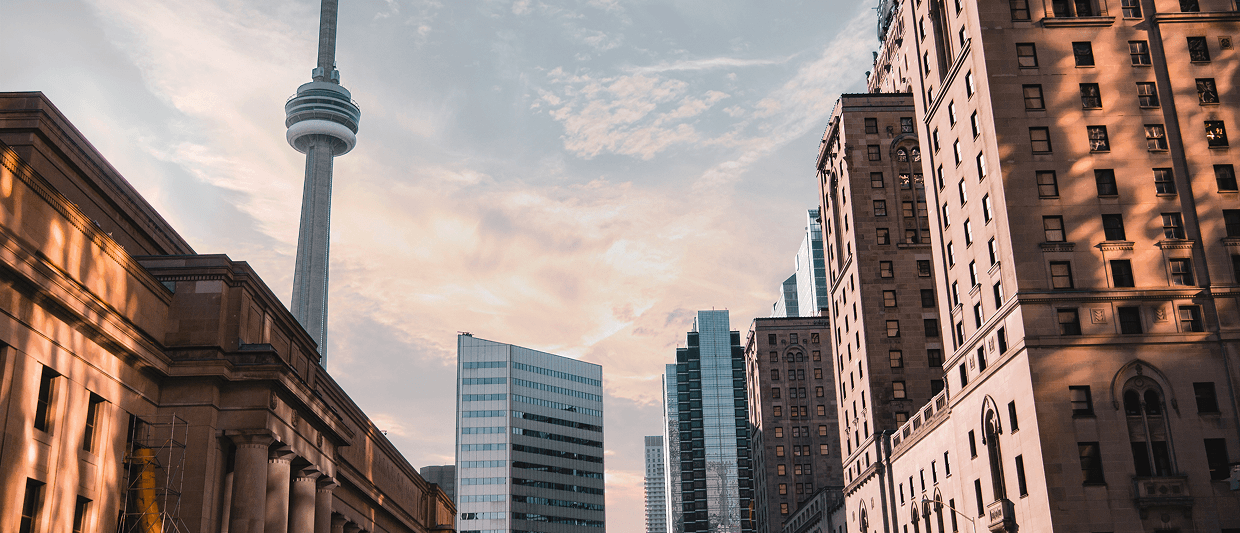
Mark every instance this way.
x=322 y=122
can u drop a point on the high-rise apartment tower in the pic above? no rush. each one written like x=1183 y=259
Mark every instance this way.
x=529 y=434
x=656 y=490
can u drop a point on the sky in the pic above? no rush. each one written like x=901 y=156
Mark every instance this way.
x=573 y=176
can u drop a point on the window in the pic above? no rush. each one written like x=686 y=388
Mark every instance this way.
x=1207 y=400
x=1020 y=475
x=936 y=386
x=1216 y=133
x=1132 y=8
x=1033 y=97
x=823 y=449
x=876 y=180
x=951 y=255
x=1225 y=176
x=934 y=139
x=1147 y=93
x=893 y=328
x=1155 y=137
x=813 y=339
x=978 y=319
x=963 y=192
x=1001 y=337
x=771 y=339
x=32 y=503
x=906 y=124
x=1113 y=227
x=1190 y=318
x=873 y=153
x=947 y=217
x=818 y=392
x=964 y=380
x=884 y=236
x=1104 y=178
x=1216 y=458
x=1052 y=228
x=1098 y=140
x=968 y=233
x=1139 y=52
x=981 y=166
x=997 y=289
x=1130 y=320
x=1026 y=55
x=987 y=213
x=1091 y=463
x=1040 y=139
x=1091 y=96
x=1048 y=184
x=775 y=392
x=1164 y=181
x=897 y=390
x=972 y=273
x=1173 y=226
x=43 y=405
x=1121 y=273
x=774 y=357
x=981 y=504
x=774 y=374
x=779 y=432
x=1181 y=272
x=935 y=355
x=1231 y=222
x=822 y=409
x=939 y=175
x=1082 y=400
x=80 y=513
x=1189 y=6
x=955 y=293
x=889 y=298
x=871 y=125
x=896 y=357
x=880 y=208
x=907 y=209
x=1198 y=52
x=884 y=269
x=779 y=451
x=777 y=411
x=1083 y=52
x=972 y=443
x=92 y=421
x=818 y=373
x=1207 y=92
x=923 y=268
x=951 y=112
x=1069 y=321
x=956 y=152
x=927 y=298
x=969 y=86
x=783 y=507
x=1020 y=9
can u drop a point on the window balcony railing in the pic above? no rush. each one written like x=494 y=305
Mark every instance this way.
x=1001 y=515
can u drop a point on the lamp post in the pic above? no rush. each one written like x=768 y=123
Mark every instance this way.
x=926 y=504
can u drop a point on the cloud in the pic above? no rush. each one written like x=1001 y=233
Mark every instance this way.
x=707 y=64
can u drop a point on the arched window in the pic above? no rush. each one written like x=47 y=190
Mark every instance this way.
x=902 y=155
x=992 y=431
x=1148 y=428
x=938 y=510
x=916 y=154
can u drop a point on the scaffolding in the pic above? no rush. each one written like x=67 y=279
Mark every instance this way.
x=155 y=473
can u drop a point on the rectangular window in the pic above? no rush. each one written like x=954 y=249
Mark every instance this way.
x=779 y=451
x=1048 y=184
x=1091 y=463
x=978 y=316
x=1181 y=272
x=1069 y=321
x=963 y=192
x=947 y=217
x=964 y=380
x=1216 y=133
x=1147 y=94
x=897 y=390
x=1164 y=181
x=1020 y=9
x=1129 y=320
x=997 y=289
x=907 y=209
x=1052 y=228
x=1104 y=179
x=1139 y=52
x=774 y=357
x=923 y=268
x=92 y=421
x=872 y=152
x=987 y=209
x=968 y=233
x=1027 y=55
x=927 y=298
x=935 y=356
x=876 y=180
x=969 y=86
x=1033 y=97
x=81 y=511
x=893 y=328
x=981 y=166
x=43 y=405
x=956 y=153
x=1173 y=226
x=1083 y=52
x=1131 y=8
x=973 y=273
x=1207 y=400
x=880 y=208
x=775 y=392
x=1155 y=137
x=1198 y=51
x=1231 y=222
x=889 y=298
x=774 y=374
x=1216 y=458
x=32 y=503
x=884 y=269
x=1190 y=318
x=1113 y=227
x=981 y=505
x=1121 y=273
x=883 y=235
x=871 y=125
x=1001 y=336
x=906 y=124
x=932 y=327
x=1098 y=140
x=896 y=357
x=1091 y=96
x=972 y=445
x=951 y=112
x=955 y=294
x=1189 y=6
x=1040 y=140
x=1082 y=400
x=1225 y=176
x=1207 y=92
x=1020 y=476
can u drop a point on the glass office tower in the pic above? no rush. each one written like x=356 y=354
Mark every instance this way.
x=705 y=407
x=529 y=440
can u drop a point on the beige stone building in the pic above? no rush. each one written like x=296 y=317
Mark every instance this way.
x=148 y=388
x=794 y=436
x=1086 y=239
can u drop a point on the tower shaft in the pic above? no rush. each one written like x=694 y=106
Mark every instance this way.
x=327 y=40
x=310 y=275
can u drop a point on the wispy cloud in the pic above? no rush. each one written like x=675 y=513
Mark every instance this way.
x=707 y=64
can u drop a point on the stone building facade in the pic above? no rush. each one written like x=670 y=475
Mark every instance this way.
x=144 y=383
x=794 y=434
x=1086 y=235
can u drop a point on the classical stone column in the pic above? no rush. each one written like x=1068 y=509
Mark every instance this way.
x=323 y=506
x=301 y=511
x=279 y=468
x=338 y=522
x=249 y=490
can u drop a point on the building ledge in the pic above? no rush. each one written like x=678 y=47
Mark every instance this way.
x=1115 y=246
x=1077 y=22
x=1057 y=246
x=1176 y=244
x=1233 y=242
x=1204 y=16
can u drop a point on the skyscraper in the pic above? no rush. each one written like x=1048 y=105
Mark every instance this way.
x=656 y=492
x=709 y=475
x=805 y=292
x=529 y=434
x=322 y=122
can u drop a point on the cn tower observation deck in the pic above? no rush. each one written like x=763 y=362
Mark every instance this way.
x=322 y=121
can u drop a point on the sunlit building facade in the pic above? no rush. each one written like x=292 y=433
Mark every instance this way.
x=529 y=441
x=656 y=486
x=708 y=467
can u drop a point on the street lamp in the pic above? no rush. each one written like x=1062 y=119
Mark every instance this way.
x=938 y=505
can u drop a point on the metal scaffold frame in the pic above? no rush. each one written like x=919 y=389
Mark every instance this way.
x=155 y=472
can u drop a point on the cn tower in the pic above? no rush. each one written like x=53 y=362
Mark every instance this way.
x=322 y=123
